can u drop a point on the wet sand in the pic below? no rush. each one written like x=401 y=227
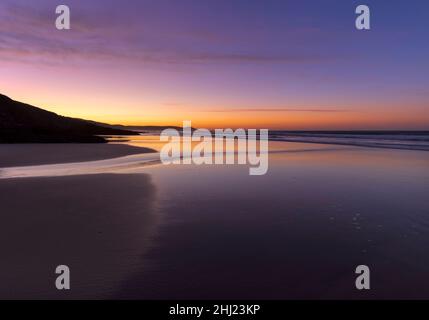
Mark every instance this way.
x=298 y=232
x=214 y=232
x=13 y=155
x=98 y=225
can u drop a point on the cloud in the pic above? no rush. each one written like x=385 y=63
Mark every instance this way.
x=277 y=110
x=28 y=35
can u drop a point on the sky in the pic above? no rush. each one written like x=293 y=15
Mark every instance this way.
x=297 y=65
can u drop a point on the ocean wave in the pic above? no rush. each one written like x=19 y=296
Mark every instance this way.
x=416 y=141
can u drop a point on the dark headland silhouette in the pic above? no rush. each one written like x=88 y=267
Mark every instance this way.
x=23 y=123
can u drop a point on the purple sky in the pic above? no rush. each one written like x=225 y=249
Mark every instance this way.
x=279 y=64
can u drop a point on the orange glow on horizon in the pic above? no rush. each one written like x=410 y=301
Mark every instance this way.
x=130 y=113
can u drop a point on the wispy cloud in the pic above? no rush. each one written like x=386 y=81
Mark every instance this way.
x=28 y=35
x=277 y=110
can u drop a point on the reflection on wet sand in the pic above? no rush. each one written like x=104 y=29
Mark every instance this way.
x=116 y=165
x=135 y=163
x=297 y=232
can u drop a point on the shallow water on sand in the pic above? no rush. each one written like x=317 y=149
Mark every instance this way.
x=297 y=232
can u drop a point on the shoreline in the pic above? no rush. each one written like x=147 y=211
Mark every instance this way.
x=17 y=155
x=143 y=233
x=355 y=144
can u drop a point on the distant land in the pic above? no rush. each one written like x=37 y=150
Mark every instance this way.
x=24 y=123
x=141 y=129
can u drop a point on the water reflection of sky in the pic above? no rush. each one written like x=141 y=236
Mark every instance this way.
x=297 y=232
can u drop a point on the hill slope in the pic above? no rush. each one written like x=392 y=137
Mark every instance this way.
x=23 y=123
